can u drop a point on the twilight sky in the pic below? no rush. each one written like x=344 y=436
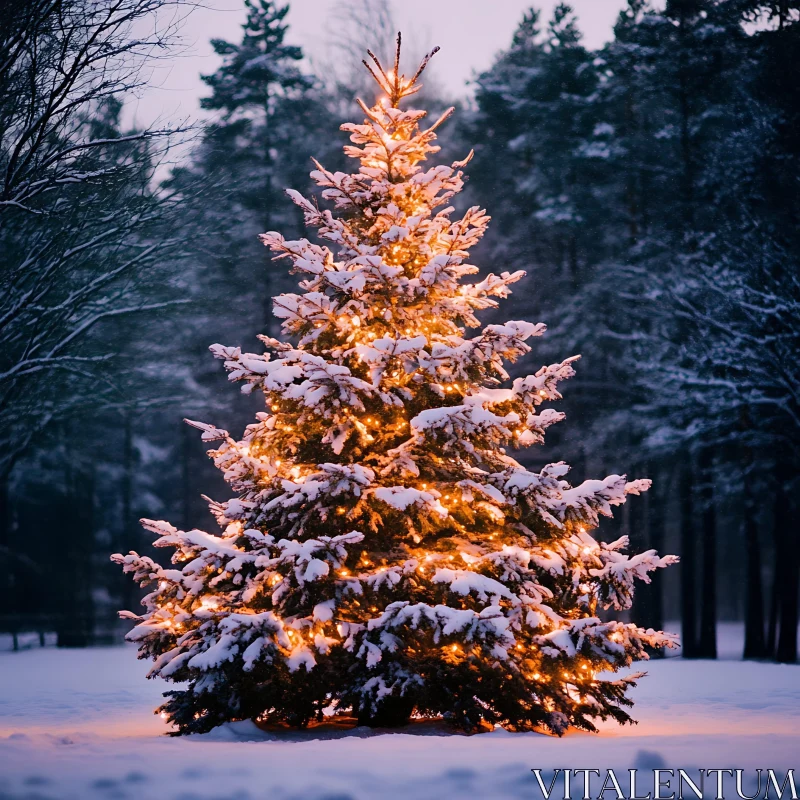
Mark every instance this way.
x=470 y=33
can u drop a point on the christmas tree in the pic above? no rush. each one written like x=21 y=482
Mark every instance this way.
x=384 y=557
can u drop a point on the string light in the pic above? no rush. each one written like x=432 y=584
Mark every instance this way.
x=440 y=317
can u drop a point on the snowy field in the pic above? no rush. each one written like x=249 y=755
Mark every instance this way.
x=79 y=724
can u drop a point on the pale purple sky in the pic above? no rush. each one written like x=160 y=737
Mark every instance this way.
x=470 y=33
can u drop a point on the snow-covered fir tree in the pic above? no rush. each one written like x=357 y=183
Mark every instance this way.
x=385 y=557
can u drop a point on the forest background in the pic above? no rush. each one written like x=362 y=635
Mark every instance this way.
x=648 y=186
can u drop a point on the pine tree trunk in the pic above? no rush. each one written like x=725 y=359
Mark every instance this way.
x=754 y=642
x=688 y=561
x=685 y=115
x=393 y=712
x=268 y=287
x=127 y=478
x=89 y=524
x=644 y=607
x=774 y=595
x=629 y=132
x=5 y=512
x=708 y=591
x=6 y=569
x=127 y=530
x=657 y=536
x=185 y=476
x=76 y=605
x=779 y=536
x=786 y=651
x=641 y=520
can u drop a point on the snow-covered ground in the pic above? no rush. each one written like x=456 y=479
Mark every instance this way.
x=79 y=724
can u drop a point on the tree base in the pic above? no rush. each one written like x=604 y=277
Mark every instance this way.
x=393 y=712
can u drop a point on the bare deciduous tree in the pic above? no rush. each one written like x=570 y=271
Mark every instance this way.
x=82 y=228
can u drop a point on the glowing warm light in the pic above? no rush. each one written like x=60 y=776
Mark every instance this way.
x=405 y=287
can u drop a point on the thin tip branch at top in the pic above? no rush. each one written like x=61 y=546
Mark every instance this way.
x=397 y=54
x=395 y=84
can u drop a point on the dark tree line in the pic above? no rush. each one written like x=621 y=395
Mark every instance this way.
x=652 y=186
x=649 y=188
x=84 y=237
